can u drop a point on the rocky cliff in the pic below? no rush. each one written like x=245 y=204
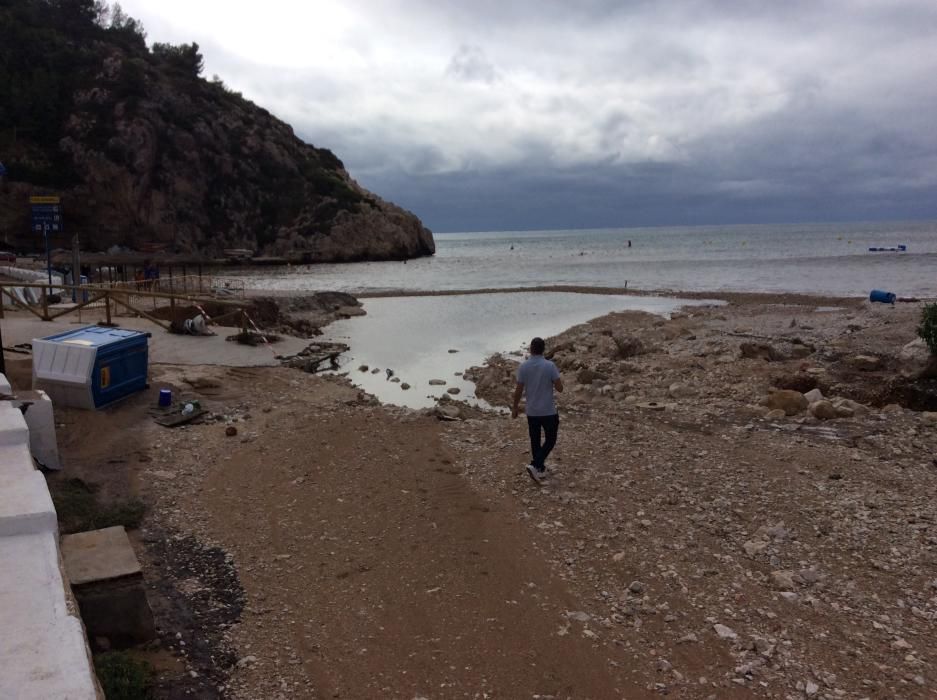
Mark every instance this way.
x=146 y=153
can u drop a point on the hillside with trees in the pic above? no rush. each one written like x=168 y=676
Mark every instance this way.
x=145 y=152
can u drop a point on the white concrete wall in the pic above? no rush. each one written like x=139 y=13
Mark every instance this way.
x=43 y=648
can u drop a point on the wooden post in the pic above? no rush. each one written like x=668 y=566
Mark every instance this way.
x=200 y=278
x=107 y=307
x=45 y=304
x=1 y=301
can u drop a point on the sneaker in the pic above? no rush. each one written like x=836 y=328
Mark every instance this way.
x=534 y=473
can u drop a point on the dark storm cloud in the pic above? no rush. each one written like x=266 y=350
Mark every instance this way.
x=547 y=114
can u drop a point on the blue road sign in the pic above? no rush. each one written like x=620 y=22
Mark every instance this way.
x=47 y=217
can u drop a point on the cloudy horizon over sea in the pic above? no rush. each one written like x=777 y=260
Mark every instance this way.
x=829 y=259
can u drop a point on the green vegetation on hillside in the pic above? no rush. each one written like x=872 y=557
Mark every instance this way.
x=153 y=147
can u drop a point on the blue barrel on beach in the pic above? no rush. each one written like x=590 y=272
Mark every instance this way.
x=877 y=295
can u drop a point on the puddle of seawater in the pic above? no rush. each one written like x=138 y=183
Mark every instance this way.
x=413 y=336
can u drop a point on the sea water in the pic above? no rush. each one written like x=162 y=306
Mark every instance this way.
x=831 y=259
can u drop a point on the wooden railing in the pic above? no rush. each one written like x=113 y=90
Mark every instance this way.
x=108 y=298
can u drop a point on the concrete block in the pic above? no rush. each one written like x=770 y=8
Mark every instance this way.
x=15 y=460
x=40 y=420
x=43 y=652
x=13 y=428
x=26 y=506
x=107 y=581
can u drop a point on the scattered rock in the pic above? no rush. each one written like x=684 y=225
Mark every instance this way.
x=678 y=390
x=864 y=363
x=814 y=395
x=724 y=632
x=437 y=382
x=588 y=376
x=915 y=360
x=230 y=431
x=404 y=386
x=791 y=402
x=452 y=350
x=628 y=346
x=823 y=410
x=363 y=368
x=782 y=580
x=761 y=351
x=848 y=405
x=579 y=616
x=453 y=390
x=775 y=414
x=636 y=587
x=444 y=412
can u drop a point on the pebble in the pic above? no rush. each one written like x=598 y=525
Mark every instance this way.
x=724 y=632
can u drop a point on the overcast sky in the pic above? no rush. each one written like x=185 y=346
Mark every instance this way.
x=483 y=115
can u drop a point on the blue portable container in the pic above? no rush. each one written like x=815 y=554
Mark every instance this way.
x=91 y=367
x=882 y=297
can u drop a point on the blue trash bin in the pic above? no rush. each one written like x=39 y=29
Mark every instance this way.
x=882 y=297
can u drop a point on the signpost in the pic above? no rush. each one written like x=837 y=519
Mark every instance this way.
x=46 y=217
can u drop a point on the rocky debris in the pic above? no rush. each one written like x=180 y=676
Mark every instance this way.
x=404 y=386
x=761 y=351
x=724 y=632
x=813 y=395
x=453 y=390
x=231 y=431
x=316 y=357
x=626 y=346
x=915 y=361
x=447 y=412
x=791 y=402
x=437 y=382
x=679 y=390
x=865 y=363
x=715 y=489
x=823 y=410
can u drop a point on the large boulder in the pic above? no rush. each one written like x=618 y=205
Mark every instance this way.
x=791 y=402
x=915 y=360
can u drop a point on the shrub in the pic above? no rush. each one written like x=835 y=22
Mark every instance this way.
x=928 y=328
x=122 y=677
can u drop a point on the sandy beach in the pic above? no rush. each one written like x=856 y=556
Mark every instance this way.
x=305 y=541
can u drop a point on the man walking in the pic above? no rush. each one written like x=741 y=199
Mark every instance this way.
x=537 y=377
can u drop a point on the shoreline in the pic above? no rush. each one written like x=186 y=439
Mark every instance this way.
x=793 y=298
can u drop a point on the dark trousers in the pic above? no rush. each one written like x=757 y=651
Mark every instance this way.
x=549 y=425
